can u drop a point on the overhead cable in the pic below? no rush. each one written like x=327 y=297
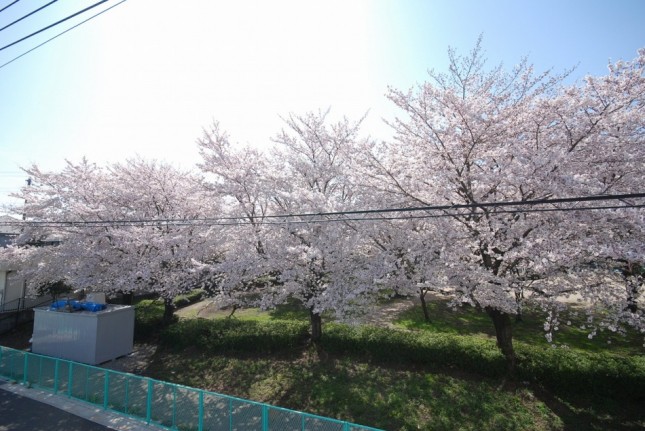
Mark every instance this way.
x=29 y=14
x=242 y=222
x=54 y=24
x=9 y=5
x=60 y=34
x=444 y=211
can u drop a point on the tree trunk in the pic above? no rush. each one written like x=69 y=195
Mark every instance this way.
x=424 y=305
x=519 y=298
x=632 y=296
x=504 y=334
x=168 y=311
x=316 y=326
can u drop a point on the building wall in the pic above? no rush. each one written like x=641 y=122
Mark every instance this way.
x=12 y=291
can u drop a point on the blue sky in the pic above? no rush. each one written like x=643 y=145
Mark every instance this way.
x=145 y=77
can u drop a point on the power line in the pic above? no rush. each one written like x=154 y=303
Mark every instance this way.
x=60 y=34
x=54 y=24
x=29 y=14
x=489 y=204
x=447 y=211
x=9 y=5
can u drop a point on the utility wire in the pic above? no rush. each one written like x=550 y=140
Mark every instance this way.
x=9 y=5
x=29 y=14
x=54 y=24
x=485 y=205
x=60 y=34
x=241 y=222
x=286 y=219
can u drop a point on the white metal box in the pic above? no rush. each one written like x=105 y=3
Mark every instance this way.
x=84 y=336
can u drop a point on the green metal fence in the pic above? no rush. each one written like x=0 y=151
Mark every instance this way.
x=155 y=402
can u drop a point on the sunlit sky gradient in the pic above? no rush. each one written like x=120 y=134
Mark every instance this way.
x=145 y=77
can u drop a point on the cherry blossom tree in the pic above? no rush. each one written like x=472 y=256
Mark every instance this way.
x=476 y=137
x=322 y=264
x=239 y=177
x=129 y=226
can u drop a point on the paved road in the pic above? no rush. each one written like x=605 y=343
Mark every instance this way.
x=18 y=413
x=23 y=409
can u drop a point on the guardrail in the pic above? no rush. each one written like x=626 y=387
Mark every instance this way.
x=21 y=304
x=156 y=402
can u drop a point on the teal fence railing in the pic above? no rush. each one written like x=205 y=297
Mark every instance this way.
x=155 y=402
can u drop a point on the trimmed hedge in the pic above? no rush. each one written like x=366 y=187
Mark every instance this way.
x=570 y=371
x=420 y=348
x=148 y=318
x=233 y=335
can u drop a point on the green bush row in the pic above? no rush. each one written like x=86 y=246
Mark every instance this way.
x=420 y=348
x=602 y=374
x=148 y=318
x=233 y=335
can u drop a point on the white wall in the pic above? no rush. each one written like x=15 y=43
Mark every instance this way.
x=13 y=290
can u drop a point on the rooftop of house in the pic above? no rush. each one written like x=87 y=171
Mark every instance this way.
x=9 y=225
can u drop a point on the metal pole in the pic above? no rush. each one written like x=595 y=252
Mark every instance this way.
x=200 y=426
x=25 y=367
x=149 y=402
x=106 y=389
x=70 y=380
x=265 y=418
x=56 y=364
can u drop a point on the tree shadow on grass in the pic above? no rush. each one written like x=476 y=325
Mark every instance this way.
x=580 y=412
x=400 y=399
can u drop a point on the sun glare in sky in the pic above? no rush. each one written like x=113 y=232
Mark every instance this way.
x=145 y=77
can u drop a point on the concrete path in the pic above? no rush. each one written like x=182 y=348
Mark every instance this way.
x=28 y=409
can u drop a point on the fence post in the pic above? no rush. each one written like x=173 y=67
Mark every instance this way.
x=86 y=387
x=230 y=414
x=56 y=364
x=149 y=402
x=200 y=419
x=127 y=395
x=106 y=389
x=70 y=379
x=265 y=418
x=25 y=367
x=174 y=406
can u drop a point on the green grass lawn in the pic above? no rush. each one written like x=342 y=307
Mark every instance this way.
x=263 y=356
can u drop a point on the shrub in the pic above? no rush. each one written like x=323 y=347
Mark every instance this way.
x=148 y=318
x=602 y=374
x=233 y=335
x=420 y=348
